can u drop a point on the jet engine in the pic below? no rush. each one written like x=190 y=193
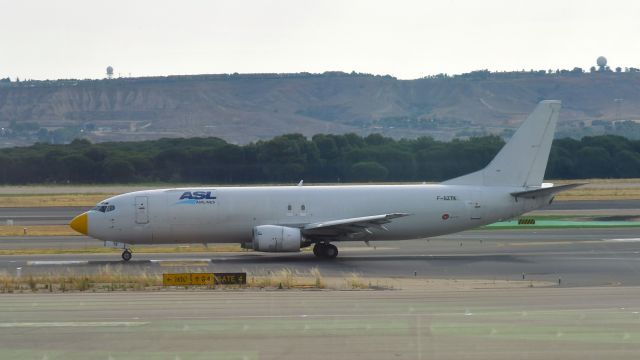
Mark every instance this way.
x=273 y=238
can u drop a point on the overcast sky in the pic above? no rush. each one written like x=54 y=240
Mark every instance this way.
x=408 y=39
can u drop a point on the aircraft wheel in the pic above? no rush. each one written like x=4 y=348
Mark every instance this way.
x=319 y=250
x=326 y=251
x=330 y=251
x=316 y=250
x=126 y=255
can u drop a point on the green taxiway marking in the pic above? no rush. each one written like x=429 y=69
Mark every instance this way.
x=562 y=224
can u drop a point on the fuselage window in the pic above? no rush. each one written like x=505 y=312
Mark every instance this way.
x=303 y=208
x=289 y=207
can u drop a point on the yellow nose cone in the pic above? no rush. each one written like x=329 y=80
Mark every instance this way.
x=80 y=223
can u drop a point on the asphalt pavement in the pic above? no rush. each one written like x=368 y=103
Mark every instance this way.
x=592 y=310
x=576 y=257
x=53 y=215
x=537 y=323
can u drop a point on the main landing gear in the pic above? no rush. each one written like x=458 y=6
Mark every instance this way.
x=126 y=255
x=327 y=251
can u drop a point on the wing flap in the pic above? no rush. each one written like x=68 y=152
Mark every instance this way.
x=350 y=225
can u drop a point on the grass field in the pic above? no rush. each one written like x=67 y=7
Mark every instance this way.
x=37 y=230
x=561 y=224
x=601 y=189
x=596 y=193
x=134 y=249
x=89 y=195
x=112 y=278
x=46 y=200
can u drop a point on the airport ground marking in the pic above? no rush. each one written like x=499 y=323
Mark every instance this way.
x=73 y=324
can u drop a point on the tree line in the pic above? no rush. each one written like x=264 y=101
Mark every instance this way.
x=290 y=158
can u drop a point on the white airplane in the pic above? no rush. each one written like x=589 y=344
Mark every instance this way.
x=288 y=218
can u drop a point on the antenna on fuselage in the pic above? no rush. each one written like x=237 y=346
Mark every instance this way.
x=301 y=182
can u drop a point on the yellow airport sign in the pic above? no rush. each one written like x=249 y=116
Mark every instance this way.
x=203 y=279
x=176 y=279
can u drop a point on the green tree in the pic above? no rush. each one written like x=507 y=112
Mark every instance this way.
x=78 y=168
x=368 y=171
x=594 y=162
x=283 y=158
x=118 y=170
x=627 y=164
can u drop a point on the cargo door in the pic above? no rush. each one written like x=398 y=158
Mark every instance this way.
x=475 y=206
x=142 y=210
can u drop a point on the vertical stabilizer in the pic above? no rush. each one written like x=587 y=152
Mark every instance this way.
x=523 y=160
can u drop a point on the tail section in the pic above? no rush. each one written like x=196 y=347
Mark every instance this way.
x=523 y=160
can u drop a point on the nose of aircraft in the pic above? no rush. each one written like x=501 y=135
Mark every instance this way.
x=80 y=223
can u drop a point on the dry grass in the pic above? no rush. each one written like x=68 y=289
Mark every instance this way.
x=14 y=252
x=106 y=279
x=600 y=194
x=42 y=196
x=37 y=230
x=598 y=181
x=113 y=278
x=355 y=281
x=22 y=200
x=318 y=280
x=601 y=189
x=109 y=278
x=287 y=279
x=134 y=249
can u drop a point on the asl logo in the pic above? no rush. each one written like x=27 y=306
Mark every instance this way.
x=197 y=195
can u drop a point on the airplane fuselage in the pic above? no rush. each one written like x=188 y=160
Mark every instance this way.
x=229 y=214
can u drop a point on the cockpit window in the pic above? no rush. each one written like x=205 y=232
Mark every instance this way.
x=101 y=208
x=104 y=208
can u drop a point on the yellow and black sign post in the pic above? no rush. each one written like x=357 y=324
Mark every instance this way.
x=204 y=279
x=525 y=221
x=230 y=278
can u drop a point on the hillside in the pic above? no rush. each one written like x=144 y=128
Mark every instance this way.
x=246 y=108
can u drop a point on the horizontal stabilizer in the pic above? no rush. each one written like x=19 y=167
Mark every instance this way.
x=532 y=194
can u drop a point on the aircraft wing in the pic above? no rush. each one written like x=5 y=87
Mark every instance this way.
x=351 y=226
x=544 y=191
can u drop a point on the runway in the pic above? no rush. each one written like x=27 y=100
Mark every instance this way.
x=578 y=257
x=591 y=311
x=54 y=215
x=538 y=323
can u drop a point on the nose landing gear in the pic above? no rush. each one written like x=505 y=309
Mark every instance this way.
x=327 y=251
x=126 y=255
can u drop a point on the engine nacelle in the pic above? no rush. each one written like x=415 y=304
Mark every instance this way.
x=273 y=238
